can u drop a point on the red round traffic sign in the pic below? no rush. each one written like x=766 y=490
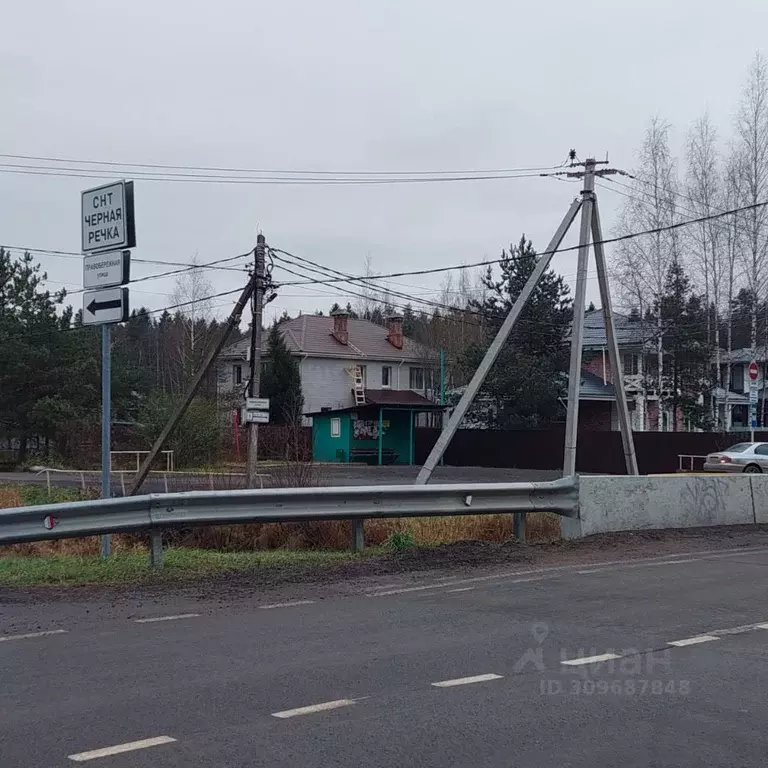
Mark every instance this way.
x=753 y=371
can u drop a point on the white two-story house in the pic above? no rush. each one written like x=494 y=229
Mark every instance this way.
x=733 y=404
x=328 y=350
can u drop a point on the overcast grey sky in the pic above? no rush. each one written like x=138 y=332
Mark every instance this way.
x=347 y=85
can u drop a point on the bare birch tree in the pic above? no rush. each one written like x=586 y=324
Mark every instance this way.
x=706 y=241
x=642 y=263
x=193 y=289
x=732 y=259
x=752 y=153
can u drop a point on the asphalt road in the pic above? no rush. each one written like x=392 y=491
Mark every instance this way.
x=465 y=671
x=327 y=474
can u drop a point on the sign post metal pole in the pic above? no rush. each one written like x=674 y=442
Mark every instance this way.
x=106 y=416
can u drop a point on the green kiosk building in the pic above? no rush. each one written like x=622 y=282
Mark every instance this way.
x=379 y=431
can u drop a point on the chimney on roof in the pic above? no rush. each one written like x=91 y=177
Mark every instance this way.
x=340 y=330
x=395 y=331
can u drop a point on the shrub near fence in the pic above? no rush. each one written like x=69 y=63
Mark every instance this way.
x=599 y=452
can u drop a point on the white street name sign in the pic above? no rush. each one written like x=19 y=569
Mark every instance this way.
x=257 y=403
x=103 y=270
x=107 y=306
x=256 y=417
x=106 y=218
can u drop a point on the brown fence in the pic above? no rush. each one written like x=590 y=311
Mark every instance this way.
x=599 y=452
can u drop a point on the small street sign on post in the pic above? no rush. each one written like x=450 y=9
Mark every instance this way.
x=753 y=370
x=107 y=306
x=103 y=270
x=255 y=417
x=256 y=403
x=106 y=218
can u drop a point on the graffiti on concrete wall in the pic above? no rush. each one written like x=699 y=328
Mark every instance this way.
x=704 y=496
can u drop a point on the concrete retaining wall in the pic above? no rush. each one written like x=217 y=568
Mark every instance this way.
x=640 y=503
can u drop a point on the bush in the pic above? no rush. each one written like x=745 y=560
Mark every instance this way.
x=399 y=540
x=196 y=439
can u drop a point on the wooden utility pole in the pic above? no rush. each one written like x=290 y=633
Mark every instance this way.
x=255 y=382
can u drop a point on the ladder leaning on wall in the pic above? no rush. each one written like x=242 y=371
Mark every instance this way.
x=359 y=390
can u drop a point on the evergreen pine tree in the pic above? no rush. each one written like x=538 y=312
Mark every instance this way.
x=281 y=381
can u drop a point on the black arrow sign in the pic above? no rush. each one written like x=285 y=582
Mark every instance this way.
x=96 y=306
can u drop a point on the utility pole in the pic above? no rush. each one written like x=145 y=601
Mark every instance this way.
x=181 y=408
x=590 y=222
x=577 y=328
x=255 y=382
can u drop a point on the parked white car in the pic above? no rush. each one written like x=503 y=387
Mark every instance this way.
x=742 y=457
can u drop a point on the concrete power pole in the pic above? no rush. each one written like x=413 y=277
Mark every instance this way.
x=577 y=329
x=255 y=382
x=590 y=224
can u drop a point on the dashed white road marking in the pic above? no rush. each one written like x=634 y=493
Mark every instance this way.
x=118 y=749
x=178 y=616
x=288 y=605
x=28 y=635
x=312 y=708
x=462 y=589
x=590 y=659
x=467 y=680
x=693 y=640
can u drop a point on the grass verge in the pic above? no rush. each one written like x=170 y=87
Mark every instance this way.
x=181 y=563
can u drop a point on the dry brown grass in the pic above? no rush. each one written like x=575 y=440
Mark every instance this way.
x=9 y=497
x=542 y=526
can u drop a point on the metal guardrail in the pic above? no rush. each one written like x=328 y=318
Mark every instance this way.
x=154 y=512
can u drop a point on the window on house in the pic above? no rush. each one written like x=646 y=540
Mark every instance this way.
x=630 y=365
x=335 y=427
x=363 y=375
x=737 y=378
x=416 y=378
x=237 y=374
x=386 y=375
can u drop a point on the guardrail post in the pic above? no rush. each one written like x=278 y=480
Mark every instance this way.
x=518 y=526
x=156 y=548
x=358 y=534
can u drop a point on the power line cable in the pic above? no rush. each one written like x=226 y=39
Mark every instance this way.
x=206 y=265
x=79 y=255
x=491 y=262
x=274 y=180
x=214 y=169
